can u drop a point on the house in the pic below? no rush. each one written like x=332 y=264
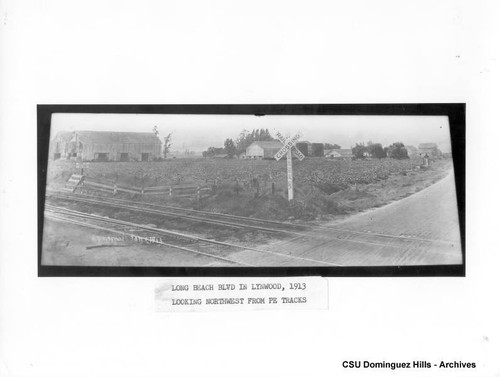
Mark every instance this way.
x=340 y=154
x=106 y=146
x=430 y=149
x=263 y=149
x=412 y=151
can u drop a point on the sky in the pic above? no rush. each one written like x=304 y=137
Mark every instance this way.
x=198 y=132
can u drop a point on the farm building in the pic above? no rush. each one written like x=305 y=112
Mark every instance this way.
x=263 y=149
x=431 y=149
x=106 y=146
x=317 y=150
x=412 y=151
x=304 y=147
x=311 y=149
x=341 y=154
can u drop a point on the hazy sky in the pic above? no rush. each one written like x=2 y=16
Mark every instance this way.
x=198 y=132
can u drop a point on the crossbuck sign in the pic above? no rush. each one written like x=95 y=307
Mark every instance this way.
x=289 y=148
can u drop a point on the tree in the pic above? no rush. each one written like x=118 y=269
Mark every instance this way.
x=332 y=146
x=212 y=151
x=376 y=150
x=397 y=151
x=248 y=137
x=230 y=147
x=359 y=150
x=167 y=144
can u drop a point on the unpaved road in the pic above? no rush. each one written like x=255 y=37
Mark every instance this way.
x=421 y=229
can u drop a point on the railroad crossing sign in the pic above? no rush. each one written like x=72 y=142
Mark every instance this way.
x=289 y=145
x=288 y=148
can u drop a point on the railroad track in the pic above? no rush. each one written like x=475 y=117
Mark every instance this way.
x=188 y=214
x=241 y=222
x=188 y=243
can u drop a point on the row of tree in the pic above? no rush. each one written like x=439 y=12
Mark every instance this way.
x=360 y=150
x=396 y=150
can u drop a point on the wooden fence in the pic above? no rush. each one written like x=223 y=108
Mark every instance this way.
x=174 y=190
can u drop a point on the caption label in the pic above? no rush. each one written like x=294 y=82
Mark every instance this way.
x=223 y=294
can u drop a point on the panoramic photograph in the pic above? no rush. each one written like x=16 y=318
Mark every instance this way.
x=177 y=190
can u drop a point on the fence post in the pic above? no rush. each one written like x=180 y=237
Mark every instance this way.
x=198 y=193
x=170 y=191
x=114 y=189
x=257 y=188
x=273 y=189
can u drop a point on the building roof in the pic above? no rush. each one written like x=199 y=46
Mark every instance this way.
x=268 y=144
x=109 y=137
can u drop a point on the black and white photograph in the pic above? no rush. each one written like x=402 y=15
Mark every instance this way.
x=250 y=190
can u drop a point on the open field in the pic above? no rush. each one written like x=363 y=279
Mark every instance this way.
x=316 y=171
x=323 y=188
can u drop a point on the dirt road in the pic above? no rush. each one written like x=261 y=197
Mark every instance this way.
x=421 y=229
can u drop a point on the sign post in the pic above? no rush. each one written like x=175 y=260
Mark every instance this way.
x=289 y=171
x=288 y=149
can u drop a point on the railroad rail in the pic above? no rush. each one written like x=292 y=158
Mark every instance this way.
x=59 y=217
x=234 y=221
x=123 y=227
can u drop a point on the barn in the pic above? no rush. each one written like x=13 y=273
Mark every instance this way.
x=106 y=146
x=263 y=149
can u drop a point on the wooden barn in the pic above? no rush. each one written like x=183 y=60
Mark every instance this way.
x=106 y=146
x=263 y=149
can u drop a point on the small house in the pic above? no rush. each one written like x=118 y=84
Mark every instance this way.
x=412 y=151
x=263 y=149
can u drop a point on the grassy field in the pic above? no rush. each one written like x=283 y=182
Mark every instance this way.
x=323 y=188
